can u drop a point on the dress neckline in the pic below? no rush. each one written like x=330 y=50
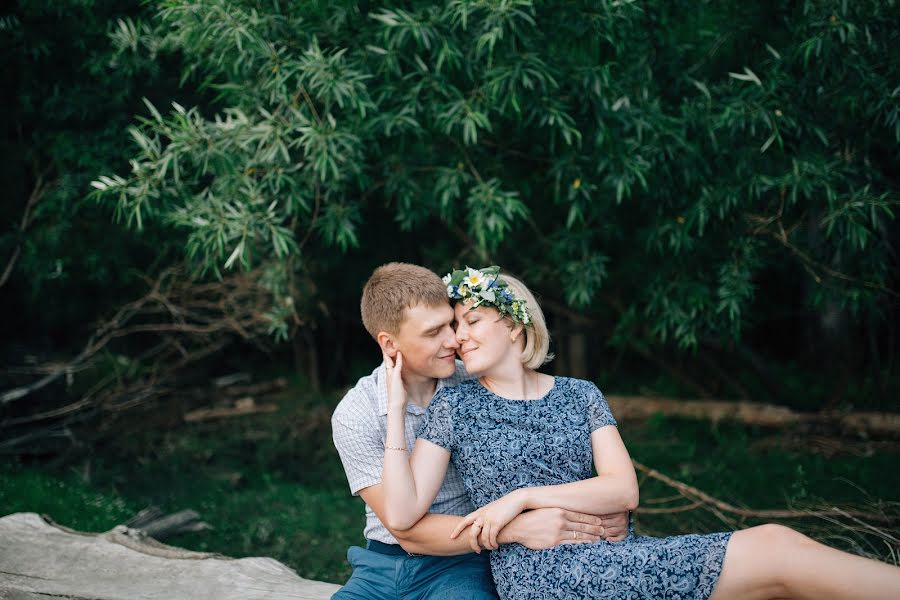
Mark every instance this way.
x=496 y=395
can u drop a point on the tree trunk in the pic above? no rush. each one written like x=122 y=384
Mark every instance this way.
x=864 y=424
x=39 y=560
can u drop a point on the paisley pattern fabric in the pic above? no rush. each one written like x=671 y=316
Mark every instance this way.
x=499 y=445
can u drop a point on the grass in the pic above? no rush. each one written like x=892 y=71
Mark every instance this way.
x=272 y=485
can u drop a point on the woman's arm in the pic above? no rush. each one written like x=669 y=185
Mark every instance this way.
x=613 y=490
x=410 y=483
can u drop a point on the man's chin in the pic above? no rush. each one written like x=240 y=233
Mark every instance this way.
x=445 y=369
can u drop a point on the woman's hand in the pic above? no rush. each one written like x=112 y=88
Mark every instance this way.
x=396 y=391
x=488 y=520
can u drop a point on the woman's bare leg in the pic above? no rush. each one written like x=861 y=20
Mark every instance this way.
x=772 y=561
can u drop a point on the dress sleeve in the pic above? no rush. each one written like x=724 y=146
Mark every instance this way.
x=598 y=411
x=437 y=425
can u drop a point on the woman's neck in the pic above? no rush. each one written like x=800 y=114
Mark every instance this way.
x=511 y=381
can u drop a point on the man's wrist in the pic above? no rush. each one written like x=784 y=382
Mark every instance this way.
x=509 y=534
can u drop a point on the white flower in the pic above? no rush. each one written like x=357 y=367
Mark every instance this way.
x=446 y=279
x=475 y=278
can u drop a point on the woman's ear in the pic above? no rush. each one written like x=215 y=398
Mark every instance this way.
x=515 y=331
x=388 y=343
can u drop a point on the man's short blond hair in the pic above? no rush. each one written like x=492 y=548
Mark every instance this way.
x=537 y=336
x=392 y=289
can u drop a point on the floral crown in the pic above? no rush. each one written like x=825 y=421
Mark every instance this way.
x=485 y=287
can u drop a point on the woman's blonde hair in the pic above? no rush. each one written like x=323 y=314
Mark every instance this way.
x=537 y=337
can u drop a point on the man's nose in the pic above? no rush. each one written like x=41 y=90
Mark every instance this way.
x=451 y=341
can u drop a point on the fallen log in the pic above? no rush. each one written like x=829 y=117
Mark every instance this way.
x=752 y=413
x=39 y=559
x=158 y=525
x=257 y=389
x=242 y=407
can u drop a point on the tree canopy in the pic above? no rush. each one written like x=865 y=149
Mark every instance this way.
x=684 y=173
x=581 y=142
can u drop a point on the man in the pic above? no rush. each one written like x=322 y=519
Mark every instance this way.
x=405 y=308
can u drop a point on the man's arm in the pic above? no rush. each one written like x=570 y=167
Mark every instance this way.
x=430 y=535
x=361 y=449
x=537 y=529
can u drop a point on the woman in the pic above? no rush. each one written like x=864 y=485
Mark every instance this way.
x=523 y=440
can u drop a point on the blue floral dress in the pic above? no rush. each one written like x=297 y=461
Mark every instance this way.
x=499 y=445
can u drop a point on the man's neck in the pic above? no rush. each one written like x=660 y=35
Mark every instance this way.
x=420 y=390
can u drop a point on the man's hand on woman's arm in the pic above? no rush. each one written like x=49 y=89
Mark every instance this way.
x=548 y=527
x=535 y=529
x=430 y=535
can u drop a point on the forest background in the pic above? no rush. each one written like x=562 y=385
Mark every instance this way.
x=703 y=194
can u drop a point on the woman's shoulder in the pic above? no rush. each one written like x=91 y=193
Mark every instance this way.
x=573 y=384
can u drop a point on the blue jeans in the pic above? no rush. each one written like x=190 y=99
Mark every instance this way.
x=389 y=573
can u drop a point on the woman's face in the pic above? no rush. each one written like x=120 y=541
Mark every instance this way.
x=483 y=337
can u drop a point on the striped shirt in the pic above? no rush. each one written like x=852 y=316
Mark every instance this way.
x=359 y=430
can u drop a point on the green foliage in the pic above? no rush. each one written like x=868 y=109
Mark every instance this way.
x=664 y=154
x=272 y=485
x=70 y=99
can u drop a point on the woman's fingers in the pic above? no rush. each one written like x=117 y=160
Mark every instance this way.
x=398 y=370
x=467 y=520
x=484 y=538
x=473 y=537
x=494 y=533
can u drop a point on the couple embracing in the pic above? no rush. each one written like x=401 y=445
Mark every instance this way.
x=455 y=458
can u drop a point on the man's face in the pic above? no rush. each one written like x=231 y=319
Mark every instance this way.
x=428 y=342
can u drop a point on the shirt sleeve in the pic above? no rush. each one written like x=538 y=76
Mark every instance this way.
x=437 y=424
x=360 y=447
x=598 y=411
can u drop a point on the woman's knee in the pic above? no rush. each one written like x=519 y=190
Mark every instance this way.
x=753 y=566
x=778 y=538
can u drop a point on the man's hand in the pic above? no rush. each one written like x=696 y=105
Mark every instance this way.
x=615 y=526
x=548 y=527
x=486 y=523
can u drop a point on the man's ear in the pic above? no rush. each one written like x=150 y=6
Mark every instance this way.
x=388 y=343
